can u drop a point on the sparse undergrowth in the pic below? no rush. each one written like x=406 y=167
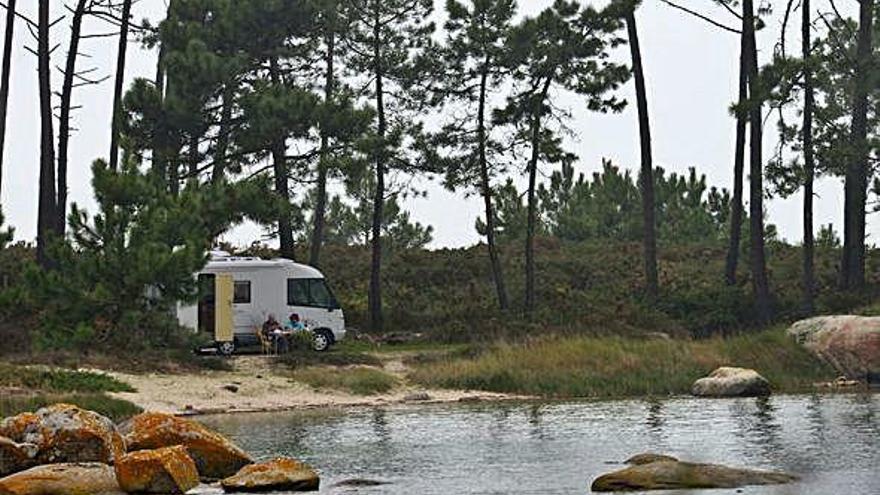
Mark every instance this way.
x=30 y=388
x=335 y=357
x=618 y=367
x=357 y=380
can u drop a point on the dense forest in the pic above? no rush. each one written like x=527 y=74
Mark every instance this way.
x=252 y=99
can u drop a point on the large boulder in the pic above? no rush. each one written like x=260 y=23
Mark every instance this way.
x=275 y=475
x=851 y=344
x=215 y=456
x=71 y=434
x=92 y=478
x=166 y=470
x=672 y=475
x=731 y=382
x=16 y=456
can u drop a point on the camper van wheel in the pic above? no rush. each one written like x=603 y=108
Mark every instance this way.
x=322 y=340
x=226 y=348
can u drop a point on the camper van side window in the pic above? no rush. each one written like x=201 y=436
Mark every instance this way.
x=241 y=292
x=298 y=292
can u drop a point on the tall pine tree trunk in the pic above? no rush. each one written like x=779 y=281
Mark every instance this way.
x=159 y=164
x=279 y=165
x=64 y=112
x=219 y=170
x=532 y=206
x=649 y=235
x=809 y=166
x=760 y=283
x=321 y=199
x=4 y=82
x=47 y=217
x=486 y=190
x=852 y=266
x=375 y=295
x=736 y=205
x=117 y=88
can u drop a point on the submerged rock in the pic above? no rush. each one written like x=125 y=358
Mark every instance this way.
x=851 y=344
x=277 y=474
x=166 y=470
x=71 y=434
x=670 y=475
x=63 y=479
x=647 y=458
x=214 y=455
x=732 y=382
x=16 y=456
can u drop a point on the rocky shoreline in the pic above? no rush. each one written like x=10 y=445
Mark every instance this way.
x=63 y=449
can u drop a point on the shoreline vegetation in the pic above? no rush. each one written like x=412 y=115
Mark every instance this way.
x=551 y=367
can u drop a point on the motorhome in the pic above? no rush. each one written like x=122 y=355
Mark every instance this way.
x=237 y=295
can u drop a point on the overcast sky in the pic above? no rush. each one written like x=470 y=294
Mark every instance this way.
x=691 y=72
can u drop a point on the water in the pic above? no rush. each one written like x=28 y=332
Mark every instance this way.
x=831 y=441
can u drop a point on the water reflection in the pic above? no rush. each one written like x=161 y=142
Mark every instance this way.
x=558 y=448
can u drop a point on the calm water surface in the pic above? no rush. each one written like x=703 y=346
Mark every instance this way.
x=831 y=441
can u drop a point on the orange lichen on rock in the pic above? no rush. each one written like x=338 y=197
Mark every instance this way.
x=166 y=470
x=63 y=479
x=215 y=456
x=72 y=434
x=278 y=474
x=23 y=428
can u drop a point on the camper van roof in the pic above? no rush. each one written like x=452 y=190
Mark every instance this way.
x=240 y=262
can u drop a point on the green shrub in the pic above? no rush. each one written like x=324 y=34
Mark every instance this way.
x=115 y=409
x=59 y=380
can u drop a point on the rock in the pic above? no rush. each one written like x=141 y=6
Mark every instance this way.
x=231 y=388
x=417 y=396
x=671 y=475
x=165 y=470
x=732 y=382
x=91 y=478
x=215 y=456
x=15 y=456
x=277 y=474
x=354 y=482
x=24 y=428
x=72 y=434
x=851 y=344
x=647 y=458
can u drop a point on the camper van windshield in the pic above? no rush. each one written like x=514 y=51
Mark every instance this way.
x=310 y=292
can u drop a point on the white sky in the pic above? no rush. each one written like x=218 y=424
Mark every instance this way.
x=691 y=72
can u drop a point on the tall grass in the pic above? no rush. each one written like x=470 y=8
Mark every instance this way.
x=358 y=381
x=614 y=367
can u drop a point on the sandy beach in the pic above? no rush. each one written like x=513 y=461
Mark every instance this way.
x=254 y=386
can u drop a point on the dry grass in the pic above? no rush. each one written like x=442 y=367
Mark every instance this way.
x=616 y=367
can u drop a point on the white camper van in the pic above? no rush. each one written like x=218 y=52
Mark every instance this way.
x=239 y=293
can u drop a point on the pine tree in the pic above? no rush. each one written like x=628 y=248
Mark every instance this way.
x=566 y=48
x=125 y=19
x=474 y=70
x=646 y=175
x=386 y=39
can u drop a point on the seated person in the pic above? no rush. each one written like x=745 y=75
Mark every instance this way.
x=270 y=326
x=293 y=324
